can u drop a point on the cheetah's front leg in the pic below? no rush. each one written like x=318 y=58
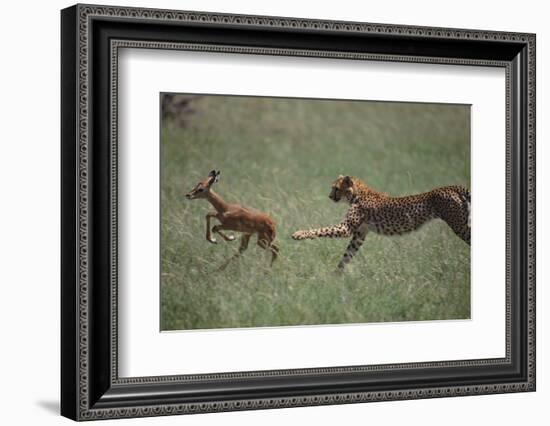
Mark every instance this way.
x=337 y=231
x=354 y=245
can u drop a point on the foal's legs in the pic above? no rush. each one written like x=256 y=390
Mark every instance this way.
x=244 y=245
x=265 y=243
x=217 y=229
x=209 y=216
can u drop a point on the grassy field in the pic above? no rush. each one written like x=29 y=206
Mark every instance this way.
x=281 y=156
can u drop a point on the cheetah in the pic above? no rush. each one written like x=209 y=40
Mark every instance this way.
x=371 y=210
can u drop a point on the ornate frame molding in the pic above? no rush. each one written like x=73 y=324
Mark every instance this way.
x=83 y=15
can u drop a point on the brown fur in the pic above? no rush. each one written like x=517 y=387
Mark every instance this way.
x=234 y=217
x=375 y=211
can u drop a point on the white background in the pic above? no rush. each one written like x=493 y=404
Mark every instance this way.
x=29 y=225
x=146 y=352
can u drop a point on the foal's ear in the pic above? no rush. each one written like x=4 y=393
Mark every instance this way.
x=214 y=176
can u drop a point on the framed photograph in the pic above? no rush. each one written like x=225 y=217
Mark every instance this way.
x=263 y=212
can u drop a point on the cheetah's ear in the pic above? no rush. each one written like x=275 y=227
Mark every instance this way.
x=347 y=181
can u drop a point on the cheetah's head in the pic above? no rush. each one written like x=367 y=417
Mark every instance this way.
x=341 y=188
x=202 y=188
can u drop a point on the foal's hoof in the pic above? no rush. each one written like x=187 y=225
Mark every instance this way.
x=213 y=241
x=230 y=238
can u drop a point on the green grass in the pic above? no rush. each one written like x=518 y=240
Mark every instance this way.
x=281 y=156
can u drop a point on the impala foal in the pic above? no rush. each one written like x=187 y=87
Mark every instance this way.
x=234 y=217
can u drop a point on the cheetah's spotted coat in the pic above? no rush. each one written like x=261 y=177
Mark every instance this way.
x=371 y=210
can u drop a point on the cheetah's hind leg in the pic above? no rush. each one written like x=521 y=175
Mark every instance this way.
x=461 y=225
x=465 y=231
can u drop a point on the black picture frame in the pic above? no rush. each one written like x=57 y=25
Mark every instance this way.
x=90 y=386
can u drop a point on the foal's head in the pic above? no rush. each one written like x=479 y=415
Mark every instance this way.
x=202 y=188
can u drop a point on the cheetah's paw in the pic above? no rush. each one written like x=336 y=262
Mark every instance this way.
x=300 y=235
